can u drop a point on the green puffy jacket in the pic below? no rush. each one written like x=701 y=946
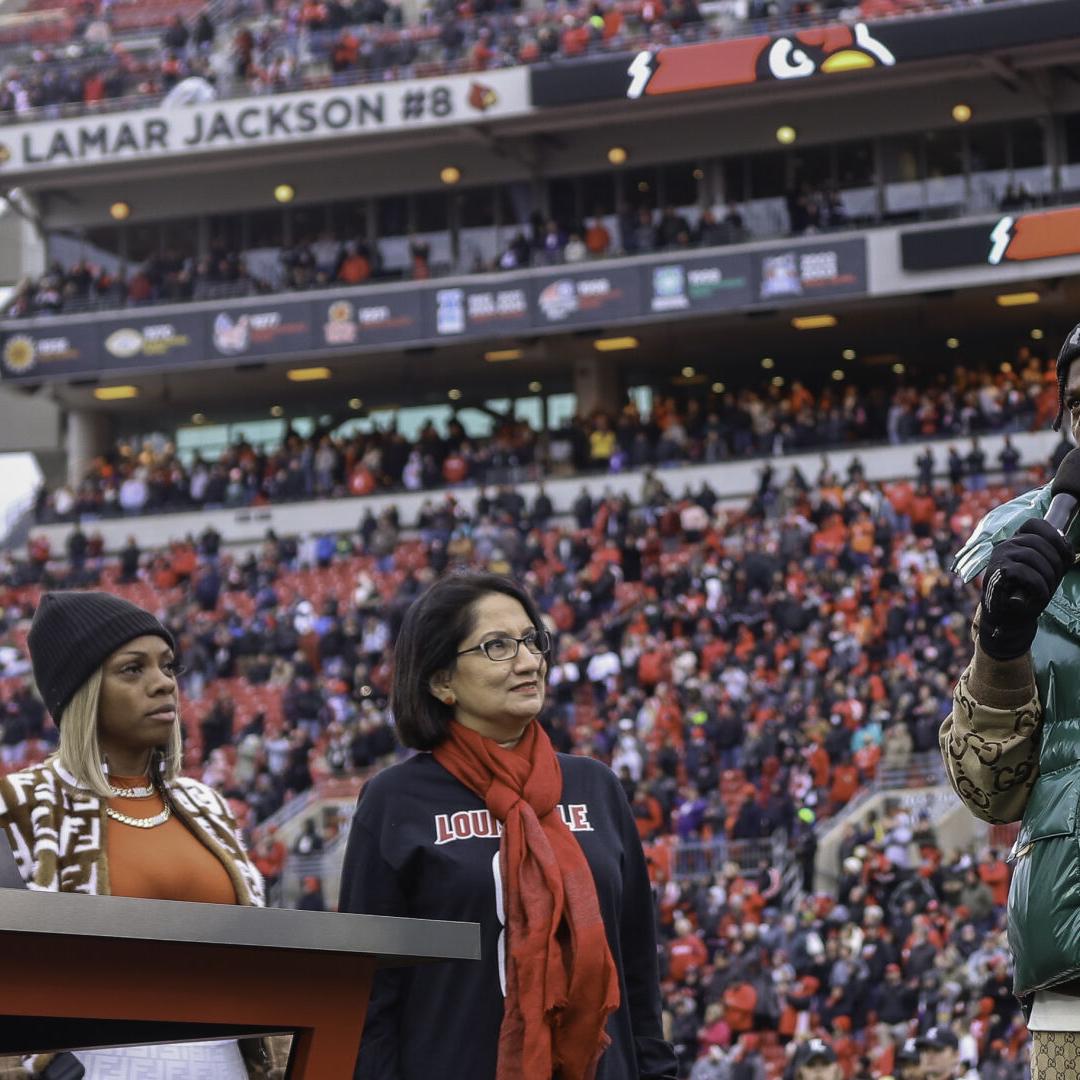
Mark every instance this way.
x=1044 y=898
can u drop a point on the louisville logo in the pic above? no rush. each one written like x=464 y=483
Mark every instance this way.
x=482 y=97
x=828 y=50
x=479 y=824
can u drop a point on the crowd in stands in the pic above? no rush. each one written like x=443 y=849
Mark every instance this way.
x=280 y=45
x=745 y=671
x=326 y=261
x=766 y=420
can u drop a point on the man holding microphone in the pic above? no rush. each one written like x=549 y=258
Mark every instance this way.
x=1011 y=744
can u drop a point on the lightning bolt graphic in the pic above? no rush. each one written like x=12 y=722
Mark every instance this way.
x=640 y=72
x=1001 y=235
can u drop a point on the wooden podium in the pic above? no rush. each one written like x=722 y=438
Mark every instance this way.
x=92 y=971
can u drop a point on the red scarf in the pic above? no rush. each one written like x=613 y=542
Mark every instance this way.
x=561 y=981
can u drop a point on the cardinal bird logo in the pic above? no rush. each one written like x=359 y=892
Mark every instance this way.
x=482 y=97
x=828 y=50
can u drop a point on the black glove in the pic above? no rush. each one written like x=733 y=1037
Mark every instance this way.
x=1023 y=573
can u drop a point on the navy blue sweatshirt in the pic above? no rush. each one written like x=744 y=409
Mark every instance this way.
x=423 y=845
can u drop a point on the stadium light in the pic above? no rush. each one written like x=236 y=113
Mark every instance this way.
x=355 y=403
x=718 y=387
x=198 y=418
x=1017 y=299
x=307 y=374
x=276 y=410
x=498 y=355
x=838 y=375
x=961 y=113
x=698 y=174
x=120 y=211
x=450 y=174
x=952 y=343
x=813 y=322
x=284 y=193
x=1036 y=335
x=454 y=395
x=848 y=354
x=898 y=368
x=778 y=381
x=688 y=372
x=768 y=363
x=617 y=155
x=615 y=344
x=115 y=393
x=786 y=134
x=535 y=387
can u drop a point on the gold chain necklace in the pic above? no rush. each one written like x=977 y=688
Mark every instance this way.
x=140 y=823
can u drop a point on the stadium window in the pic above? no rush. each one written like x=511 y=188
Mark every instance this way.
x=598 y=193
x=813 y=165
x=768 y=175
x=307 y=222
x=262 y=434
x=640 y=188
x=267 y=228
x=560 y=409
x=143 y=241
x=516 y=202
x=855 y=164
x=642 y=397
x=392 y=216
x=477 y=207
x=226 y=231
x=477 y=424
x=207 y=440
x=563 y=201
x=944 y=153
x=531 y=410
x=1028 y=146
x=734 y=172
x=106 y=238
x=678 y=187
x=349 y=219
x=1072 y=137
x=901 y=156
x=431 y=211
x=988 y=147
x=181 y=237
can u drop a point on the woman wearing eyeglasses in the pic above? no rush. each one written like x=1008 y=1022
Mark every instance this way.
x=489 y=825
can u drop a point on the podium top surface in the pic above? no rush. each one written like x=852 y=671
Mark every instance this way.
x=391 y=940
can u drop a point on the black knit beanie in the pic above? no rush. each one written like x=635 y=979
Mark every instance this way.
x=73 y=633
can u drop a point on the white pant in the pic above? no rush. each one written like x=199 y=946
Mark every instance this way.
x=219 y=1060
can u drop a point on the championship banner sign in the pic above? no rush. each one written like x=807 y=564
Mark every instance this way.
x=152 y=134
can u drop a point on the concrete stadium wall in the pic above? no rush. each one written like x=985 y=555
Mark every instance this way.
x=733 y=480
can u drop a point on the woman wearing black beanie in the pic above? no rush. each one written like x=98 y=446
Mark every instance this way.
x=109 y=813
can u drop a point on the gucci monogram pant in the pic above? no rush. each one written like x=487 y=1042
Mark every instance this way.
x=1055 y=1055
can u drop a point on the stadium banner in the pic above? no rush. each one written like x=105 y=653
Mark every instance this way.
x=1013 y=237
x=699 y=283
x=246 y=123
x=833 y=49
x=362 y=318
x=601 y=294
x=42 y=351
x=268 y=329
x=480 y=310
x=590 y=297
x=821 y=270
x=146 y=342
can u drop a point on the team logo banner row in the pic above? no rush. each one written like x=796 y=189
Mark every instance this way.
x=602 y=294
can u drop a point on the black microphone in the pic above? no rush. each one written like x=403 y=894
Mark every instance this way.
x=1065 y=493
x=1064 y=501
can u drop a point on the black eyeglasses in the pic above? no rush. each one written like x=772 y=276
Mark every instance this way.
x=537 y=642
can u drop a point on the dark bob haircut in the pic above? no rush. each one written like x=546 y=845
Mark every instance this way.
x=431 y=634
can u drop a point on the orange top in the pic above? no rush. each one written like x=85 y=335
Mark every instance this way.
x=166 y=862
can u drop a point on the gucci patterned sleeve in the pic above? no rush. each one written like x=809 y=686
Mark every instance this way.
x=989 y=741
